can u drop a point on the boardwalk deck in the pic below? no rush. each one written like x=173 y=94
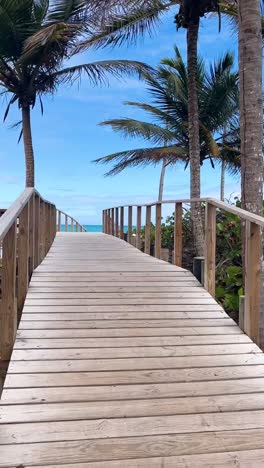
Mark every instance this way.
x=124 y=361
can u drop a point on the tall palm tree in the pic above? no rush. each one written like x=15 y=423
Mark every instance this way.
x=251 y=108
x=133 y=19
x=168 y=130
x=37 y=37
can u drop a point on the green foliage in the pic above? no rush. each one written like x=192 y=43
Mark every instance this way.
x=167 y=130
x=38 y=38
x=229 y=274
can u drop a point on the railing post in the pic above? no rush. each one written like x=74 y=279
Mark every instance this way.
x=22 y=259
x=138 y=238
x=148 y=230
x=121 y=230
x=42 y=229
x=253 y=258
x=47 y=226
x=54 y=222
x=105 y=222
x=59 y=221
x=8 y=315
x=37 y=232
x=108 y=221
x=158 y=231
x=112 y=221
x=178 y=234
x=130 y=223
x=31 y=235
x=66 y=223
x=116 y=222
x=72 y=225
x=210 y=248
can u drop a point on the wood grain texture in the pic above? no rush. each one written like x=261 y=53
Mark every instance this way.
x=124 y=361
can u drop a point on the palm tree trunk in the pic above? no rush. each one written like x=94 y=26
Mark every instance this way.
x=28 y=147
x=251 y=124
x=194 y=139
x=223 y=167
x=162 y=177
x=222 y=186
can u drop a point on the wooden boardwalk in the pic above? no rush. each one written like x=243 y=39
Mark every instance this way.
x=122 y=360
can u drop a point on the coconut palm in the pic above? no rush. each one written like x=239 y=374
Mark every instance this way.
x=168 y=129
x=37 y=38
x=133 y=19
x=251 y=115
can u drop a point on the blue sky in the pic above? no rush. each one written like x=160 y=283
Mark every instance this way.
x=67 y=138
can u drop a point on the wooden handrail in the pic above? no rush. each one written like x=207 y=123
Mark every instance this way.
x=253 y=246
x=27 y=230
x=70 y=224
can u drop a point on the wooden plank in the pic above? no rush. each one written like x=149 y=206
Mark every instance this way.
x=8 y=315
x=131 y=427
x=72 y=316
x=88 y=365
x=158 y=231
x=22 y=259
x=47 y=412
x=38 y=343
x=40 y=296
x=210 y=248
x=148 y=231
x=201 y=302
x=128 y=332
x=136 y=352
x=131 y=448
x=242 y=458
x=178 y=234
x=115 y=324
x=147 y=376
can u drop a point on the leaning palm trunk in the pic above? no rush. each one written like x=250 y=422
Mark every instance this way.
x=28 y=147
x=194 y=139
x=162 y=177
x=251 y=124
x=222 y=186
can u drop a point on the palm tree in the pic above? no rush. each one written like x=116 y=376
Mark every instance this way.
x=133 y=19
x=37 y=37
x=168 y=131
x=251 y=108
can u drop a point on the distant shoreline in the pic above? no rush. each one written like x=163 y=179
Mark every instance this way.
x=91 y=227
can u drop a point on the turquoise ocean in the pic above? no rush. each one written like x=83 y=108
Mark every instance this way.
x=92 y=227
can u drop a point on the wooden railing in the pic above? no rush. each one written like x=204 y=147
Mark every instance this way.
x=113 y=224
x=27 y=231
x=70 y=224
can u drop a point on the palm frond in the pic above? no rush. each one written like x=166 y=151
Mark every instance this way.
x=127 y=25
x=98 y=72
x=136 y=128
x=142 y=157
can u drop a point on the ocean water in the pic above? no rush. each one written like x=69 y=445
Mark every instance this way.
x=92 y=227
